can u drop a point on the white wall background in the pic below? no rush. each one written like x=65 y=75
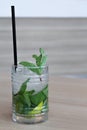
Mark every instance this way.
x=45 y=8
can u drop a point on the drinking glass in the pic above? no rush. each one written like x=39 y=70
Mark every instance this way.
x=29 y=94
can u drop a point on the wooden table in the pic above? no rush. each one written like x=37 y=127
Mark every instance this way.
x=65 y=41
x=67 y=105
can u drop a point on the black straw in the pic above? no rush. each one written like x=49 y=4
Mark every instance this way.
x=14 y=35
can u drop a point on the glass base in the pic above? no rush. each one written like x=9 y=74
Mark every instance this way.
x=30 y=120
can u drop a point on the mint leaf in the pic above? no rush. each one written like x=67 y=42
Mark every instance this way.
x=40 y=96
x=41 y=59
x=38 y=59
x=27 y=64
x=30 y=92
x=19 y=102
x=27 y=95
x=23 y=87
x=31 y=66
x=37 y=98
x=27 y=99
x=35 y=56
x=41 y=51
x=19 y=108
x=18 y=99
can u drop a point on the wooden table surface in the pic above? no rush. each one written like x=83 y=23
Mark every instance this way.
x=65 y=41
x=67 y=106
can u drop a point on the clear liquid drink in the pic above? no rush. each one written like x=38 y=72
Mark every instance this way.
x=29 y=94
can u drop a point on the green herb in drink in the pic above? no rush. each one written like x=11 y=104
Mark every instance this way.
x=28 y=99
x=31 y=102
x=40 y=61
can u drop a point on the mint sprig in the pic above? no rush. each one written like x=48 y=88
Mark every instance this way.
x=40 y=61
x=26 y=101
x=29 y=102
x=23 y=87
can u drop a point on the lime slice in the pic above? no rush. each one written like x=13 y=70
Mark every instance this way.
x=37 y=110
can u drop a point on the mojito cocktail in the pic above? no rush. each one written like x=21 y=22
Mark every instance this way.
x=30 y=92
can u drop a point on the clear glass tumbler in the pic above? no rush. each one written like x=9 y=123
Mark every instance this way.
x=29 y=94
